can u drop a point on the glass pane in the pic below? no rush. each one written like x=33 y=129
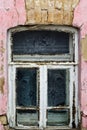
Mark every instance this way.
x=28 y=117
x=26 y=87
x=40 y=42
x=58 y=118
x=58 y=87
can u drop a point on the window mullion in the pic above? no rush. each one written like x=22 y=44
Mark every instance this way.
x=71 y=94
x=12 y=105
x=43 y=95
x=76 y=95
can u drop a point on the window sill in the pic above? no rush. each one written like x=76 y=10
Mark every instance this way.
x=48 y=128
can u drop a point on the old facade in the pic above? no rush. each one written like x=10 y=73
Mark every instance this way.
x=59 y=16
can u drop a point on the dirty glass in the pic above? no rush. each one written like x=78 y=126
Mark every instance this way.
x=58 y=117
x=26 y=96
x=26 y=87
x=58 y=87
x=27 y=117
x=40 y=42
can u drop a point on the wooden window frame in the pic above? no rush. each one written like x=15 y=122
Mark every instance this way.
x=43 y=67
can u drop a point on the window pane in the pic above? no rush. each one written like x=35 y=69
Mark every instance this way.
x=58 y=87
x=40 y=42
x=58 y=118
x=28 y=117
x=26 y=87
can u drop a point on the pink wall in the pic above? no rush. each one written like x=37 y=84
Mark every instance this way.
x=80 y=20
x=12 y=13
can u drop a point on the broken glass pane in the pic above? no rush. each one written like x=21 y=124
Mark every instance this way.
x=58 y=117
x=26 y=87
x=27 y=117
x=58 y=87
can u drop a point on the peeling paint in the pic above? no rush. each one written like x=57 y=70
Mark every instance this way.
x=84 y=48
x=17 y=12
x=58 y=11
x=10 y=15
x=3 y=119
x=2 y=84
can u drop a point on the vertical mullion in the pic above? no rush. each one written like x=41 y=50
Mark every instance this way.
x=67 y=86
x=71 y=95
x=14 y=94
x=12 y=98
x=76 y=95
x=76 y=47
x=43 y=95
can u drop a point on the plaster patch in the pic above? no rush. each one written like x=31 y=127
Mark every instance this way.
x=80 y=17
x=2 y=84
x=12 y=13
x=3 y=119
x=84 y=48
x=62 y=9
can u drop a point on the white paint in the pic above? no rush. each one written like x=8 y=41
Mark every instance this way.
x=71 y=95
x=43 y=95
x=11 y=106
x=42 y=68
x=76 y=97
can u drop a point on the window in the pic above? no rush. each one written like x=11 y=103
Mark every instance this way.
x=43 y=78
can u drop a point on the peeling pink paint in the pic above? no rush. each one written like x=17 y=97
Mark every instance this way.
x=80 y=20
x=80 y=17
x=1 y=127
x=10 y=15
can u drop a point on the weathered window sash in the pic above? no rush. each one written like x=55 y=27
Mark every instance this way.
x=42 y=87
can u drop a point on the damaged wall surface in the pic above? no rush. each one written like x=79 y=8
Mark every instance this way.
x=45 y=12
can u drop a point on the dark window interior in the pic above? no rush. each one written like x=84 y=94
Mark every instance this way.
x=26 y=96
x=58 y=87
x=40 y=42
x=26 y=89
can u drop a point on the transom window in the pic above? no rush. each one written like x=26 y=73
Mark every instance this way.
x=43 y=78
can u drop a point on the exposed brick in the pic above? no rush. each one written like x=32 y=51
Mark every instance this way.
x=3 y=119
x=2 y=84
x=84 y=48
x=38 y=15
x=29 y=4
x=1 y=68
x=44 y=16
x=58 y=4
x=67 y=5
x=37 y=3
x=67 y=19
x=31 y=16
x=50 y=15
x=58 y=16
x=51 y=4
x=50 y=11
x=74 y=3
x=67 y=15
x=44 y=4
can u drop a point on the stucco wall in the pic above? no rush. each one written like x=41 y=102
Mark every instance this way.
x=80 y=21
x=59 y=12
x=12 y=13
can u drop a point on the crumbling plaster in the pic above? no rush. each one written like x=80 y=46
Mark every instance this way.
x=17 y=12
x=80 y=21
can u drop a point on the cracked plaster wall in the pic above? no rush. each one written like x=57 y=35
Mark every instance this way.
x=20 y=12
x=80 y=21
x=10 y=15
